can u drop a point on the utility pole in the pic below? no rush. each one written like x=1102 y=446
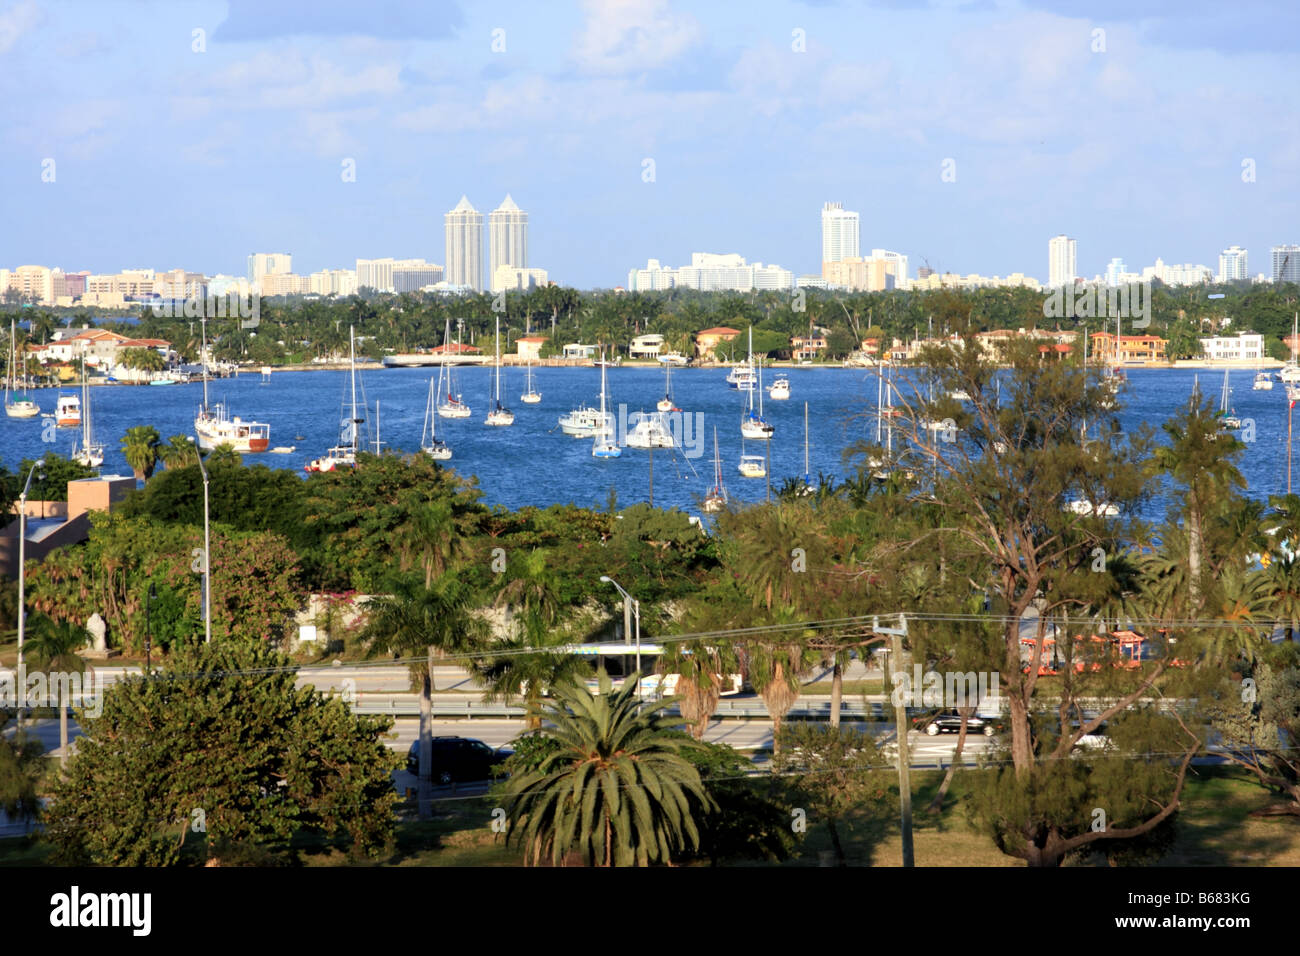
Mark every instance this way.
x=896 y=635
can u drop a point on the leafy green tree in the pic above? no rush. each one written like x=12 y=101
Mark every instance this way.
x=223 y=738
x=832 y=771
x=618 y=791
x=22 y=759
x=140 y=446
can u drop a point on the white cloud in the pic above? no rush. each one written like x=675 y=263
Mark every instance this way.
x=18 y=20
x=629 y=36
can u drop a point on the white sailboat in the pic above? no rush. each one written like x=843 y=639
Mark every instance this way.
x=1290 y=372
x=531 y=396
x=452 y=405
x=16 y=407
x=665 y=404
x=1263 y=381
x=344 y=454
x=751 y=425
x=603 y=445
x=91 y=453
x=215 y=427
x=430 y=443
x=716 y=497
x=1226 y=417
x=499 y=416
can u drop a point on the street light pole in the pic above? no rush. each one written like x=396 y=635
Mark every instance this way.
x=148 y=628
x=632 y=608
x=207 y=556
x=22 y=585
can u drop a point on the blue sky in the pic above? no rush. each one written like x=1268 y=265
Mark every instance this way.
x=166 y=157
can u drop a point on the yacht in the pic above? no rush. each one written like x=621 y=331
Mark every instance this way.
x=742 y=377
x=215 y=427
x=91 y=453
x=67 y=411
x=716 y=498
x=585 y=422
x=16 y=407
x=779 y=390
x=603 y=444
x=649 y=431
x=752 y=466
x=1263 y=382
x=752 y=425
x=499 y=415
x=344 y=454
x=452 y=406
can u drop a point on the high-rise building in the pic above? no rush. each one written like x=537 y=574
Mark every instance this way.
x=464 y=228
x=1114 y=271
x=1286 y=263
x=268 y=263
x=507 y=237
x=839 y=233
x=1232 y=264
x=1060 y=261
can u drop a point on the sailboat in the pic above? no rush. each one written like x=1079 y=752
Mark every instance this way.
x=1226 y=418
x=666 y=403
x=649 y=431
x=344 y=454
x=16 y=407
x=499 y=415
x=531 y=396
x=91 y=454
x=751 y=425
x=1263 y=381
x=716 y=498
x=432 y=445
x=452 y=406
x=604 y=445
x=215 y=427
x=751 y=466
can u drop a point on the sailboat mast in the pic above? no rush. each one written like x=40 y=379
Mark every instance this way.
x=204 y=326
x=805 y=439
x=352 y=362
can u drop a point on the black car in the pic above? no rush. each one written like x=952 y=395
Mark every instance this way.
x=457 y=759
x=950 y=721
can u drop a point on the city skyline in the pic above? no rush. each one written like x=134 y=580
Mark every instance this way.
x=662 y=128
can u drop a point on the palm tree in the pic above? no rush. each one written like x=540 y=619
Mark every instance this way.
x=179 y=452
x=421 y=620
x=774 y=670
x=617 y=789
x=430 y=534
x=1200 y=456
x=1283 y=587
x=224 y=456
x=52 y=646
x=140 y=446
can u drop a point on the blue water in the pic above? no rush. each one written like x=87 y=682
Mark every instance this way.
x=532 y=462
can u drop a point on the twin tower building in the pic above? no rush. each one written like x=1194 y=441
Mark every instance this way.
x=507 y=246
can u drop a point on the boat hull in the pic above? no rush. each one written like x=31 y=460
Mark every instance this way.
x=22 y=410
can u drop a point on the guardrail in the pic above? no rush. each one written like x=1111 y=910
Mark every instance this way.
x=746 y=708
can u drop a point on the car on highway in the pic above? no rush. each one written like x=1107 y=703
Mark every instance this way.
x=458 y=759
x=949 y=721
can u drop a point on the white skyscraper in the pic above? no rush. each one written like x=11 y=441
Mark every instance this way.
x=1060 y=261
x=507 y=236
x=1286 y=263
x=839 y=233
x=464 y=228
x=1114 y=271
x=268 y=264
x=1232 y=264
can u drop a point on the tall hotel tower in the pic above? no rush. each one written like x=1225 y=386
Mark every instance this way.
x=465 y=246
x=839 y=233
x=1061 y=268
x=507 y=237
